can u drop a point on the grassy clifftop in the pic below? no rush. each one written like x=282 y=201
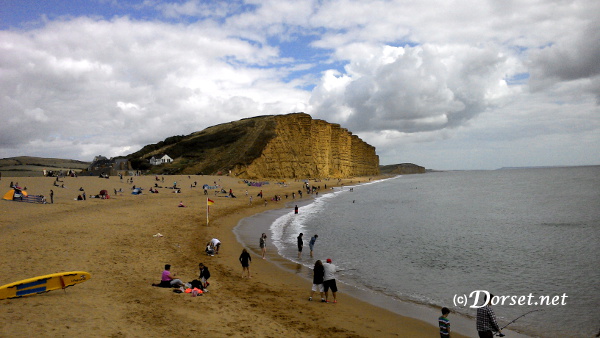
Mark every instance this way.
x=33 y=166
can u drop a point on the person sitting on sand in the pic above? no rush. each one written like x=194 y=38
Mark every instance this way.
x=209 y=250
x=181 y=205
x=168 y=280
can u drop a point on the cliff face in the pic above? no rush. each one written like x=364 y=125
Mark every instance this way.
x=303 y=147
x=278 y=146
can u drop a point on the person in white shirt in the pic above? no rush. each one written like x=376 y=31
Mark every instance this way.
x=329 y=280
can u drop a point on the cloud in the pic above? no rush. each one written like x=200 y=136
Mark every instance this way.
x=574 y=57
x=411 y=89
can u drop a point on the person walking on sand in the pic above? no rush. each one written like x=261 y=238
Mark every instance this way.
x=318 y=274
x=300 y=245
x=329 y=280
x=311 y=244
x=52 y=196
x=444 y=323
x=245 y=259
x=263 y=244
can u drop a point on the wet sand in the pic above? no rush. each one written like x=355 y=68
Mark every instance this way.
x=113 y=240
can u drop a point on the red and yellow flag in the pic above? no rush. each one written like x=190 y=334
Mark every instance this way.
x=209 y=201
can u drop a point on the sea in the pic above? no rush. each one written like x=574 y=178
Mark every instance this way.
x=415 y=243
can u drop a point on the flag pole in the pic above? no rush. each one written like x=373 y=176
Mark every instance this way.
x=208 y=203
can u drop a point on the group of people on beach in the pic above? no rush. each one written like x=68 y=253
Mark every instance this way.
x=324 y=280
x=311 y=244
x=168 y=279
x=323 y=274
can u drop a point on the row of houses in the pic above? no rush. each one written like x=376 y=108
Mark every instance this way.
x=102 y=166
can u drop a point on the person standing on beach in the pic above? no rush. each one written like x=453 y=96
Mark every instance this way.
x=300 y=245
x=311 y=244
x=329 y=280
x=444 y=323
x=296 y=210
x=245 y=259
x=318 y=273
x=52 y=196
x=486 y=320
x=263 y=244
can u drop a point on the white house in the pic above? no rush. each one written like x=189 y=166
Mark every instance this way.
x=160 y=159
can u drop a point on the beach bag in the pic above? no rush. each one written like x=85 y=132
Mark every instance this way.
x=195 y=291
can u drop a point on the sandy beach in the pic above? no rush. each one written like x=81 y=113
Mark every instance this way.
x=113 y=239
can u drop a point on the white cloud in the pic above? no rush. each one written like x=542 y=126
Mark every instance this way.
x=412 y=89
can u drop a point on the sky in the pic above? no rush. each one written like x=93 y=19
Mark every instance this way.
x=448 y=85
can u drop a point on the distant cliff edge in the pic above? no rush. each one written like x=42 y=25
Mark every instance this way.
x=274 y=146
x=401 y=169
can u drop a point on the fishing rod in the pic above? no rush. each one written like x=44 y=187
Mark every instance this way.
x=514 y=320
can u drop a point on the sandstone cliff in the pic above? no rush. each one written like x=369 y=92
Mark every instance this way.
x=304 y=147
x=278 y=146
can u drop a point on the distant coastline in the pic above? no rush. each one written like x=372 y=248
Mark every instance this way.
x=550 y=166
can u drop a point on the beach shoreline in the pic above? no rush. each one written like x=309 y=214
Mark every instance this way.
x=114 y=240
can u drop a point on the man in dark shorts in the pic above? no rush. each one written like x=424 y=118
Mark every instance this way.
x=329 y=280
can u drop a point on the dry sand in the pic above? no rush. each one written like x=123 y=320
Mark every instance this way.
x=113 y=240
